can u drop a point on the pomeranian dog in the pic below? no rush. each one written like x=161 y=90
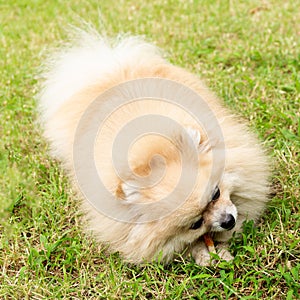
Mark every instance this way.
x=156 y=158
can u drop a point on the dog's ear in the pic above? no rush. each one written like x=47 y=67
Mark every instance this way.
x=128 y=191
x=194 y=134
x=202 y=144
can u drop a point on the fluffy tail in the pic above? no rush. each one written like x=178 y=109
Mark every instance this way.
x=86 y=61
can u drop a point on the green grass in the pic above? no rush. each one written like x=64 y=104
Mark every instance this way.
x=249 y=54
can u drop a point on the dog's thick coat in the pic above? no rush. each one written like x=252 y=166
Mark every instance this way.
x=81 y=72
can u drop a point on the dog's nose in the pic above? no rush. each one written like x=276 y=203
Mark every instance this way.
x=229 y=222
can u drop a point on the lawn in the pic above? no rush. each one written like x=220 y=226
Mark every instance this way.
x=249 y=54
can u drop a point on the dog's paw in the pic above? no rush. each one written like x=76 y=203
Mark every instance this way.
x=202 y=258
x=223 y=252
x=201 y=254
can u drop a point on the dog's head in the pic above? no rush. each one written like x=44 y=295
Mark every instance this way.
x=170 y=226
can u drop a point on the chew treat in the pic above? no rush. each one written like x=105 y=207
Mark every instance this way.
x=209 y=243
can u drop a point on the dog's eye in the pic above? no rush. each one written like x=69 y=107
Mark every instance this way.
x=216 y=194
x=197 y=224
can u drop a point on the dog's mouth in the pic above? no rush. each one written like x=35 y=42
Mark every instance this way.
x=209 y=242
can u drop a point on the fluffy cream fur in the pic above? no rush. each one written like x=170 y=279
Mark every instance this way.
x=79 y=73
